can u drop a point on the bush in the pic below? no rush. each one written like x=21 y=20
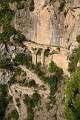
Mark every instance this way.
x=72 y=100
x=3 y=100
x=6 y=14
x=35 y=97
x=32 y=83
x=78 y=39
x=13 y=115
x=23 y=59
x=31 y=102
x=62 y=4
x=8 y=32
x=74 y=59
x=6 y=64
x=52 y=67
x=52 y=80
x=19 y=38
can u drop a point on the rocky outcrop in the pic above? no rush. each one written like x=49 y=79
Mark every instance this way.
x=5 y=76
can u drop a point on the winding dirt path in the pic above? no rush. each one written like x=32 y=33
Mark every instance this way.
x=16 y=91
x=38 y=81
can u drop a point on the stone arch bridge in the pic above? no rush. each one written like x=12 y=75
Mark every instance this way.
x=46 y=53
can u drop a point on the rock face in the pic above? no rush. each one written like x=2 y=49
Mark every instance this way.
x=45 y=22
x=5 y=76
x=43 y=26
x=46 y=25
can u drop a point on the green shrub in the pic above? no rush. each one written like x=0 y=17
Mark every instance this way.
x=13 y=115
x=62 y=4
x=18 y=71
x=52 y=67
x=53 y=79
x=8 y=32
x=32 y=83
x=31 y=102
x=35 y=97
x=6 y=64
x=23 y=59
x=78 y=39
x=3 y=100
x=19 y=38
x=72 y=100
x=74 y=59
x=6 y=14
x=12 y=80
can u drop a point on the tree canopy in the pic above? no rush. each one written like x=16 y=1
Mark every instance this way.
x=72 y=103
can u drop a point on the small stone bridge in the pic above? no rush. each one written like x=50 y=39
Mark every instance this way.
x=46 y=53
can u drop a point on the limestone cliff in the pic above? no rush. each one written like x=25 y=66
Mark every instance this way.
x=51 y=27
x=48 y=24
x=51 y=22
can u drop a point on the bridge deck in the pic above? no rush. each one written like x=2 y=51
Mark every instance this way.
x=35 y=44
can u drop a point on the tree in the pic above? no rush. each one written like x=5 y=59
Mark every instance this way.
x=74 y=59
x=72 y=100
x=52 y=67
x=35 y=97
x=23 y=59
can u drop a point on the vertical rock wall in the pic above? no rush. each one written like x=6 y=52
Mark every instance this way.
x=46 y=25
x=43 y=26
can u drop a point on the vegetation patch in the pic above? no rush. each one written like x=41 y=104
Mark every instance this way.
x=23 y=59
x=13 y=115
x=62 y=5
x=6 y=64
x=78 y=39
x=72 y=103
x=31 y=102
x=19 y=37
x=52 y=80
x=4 y=100
x=74 y=59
